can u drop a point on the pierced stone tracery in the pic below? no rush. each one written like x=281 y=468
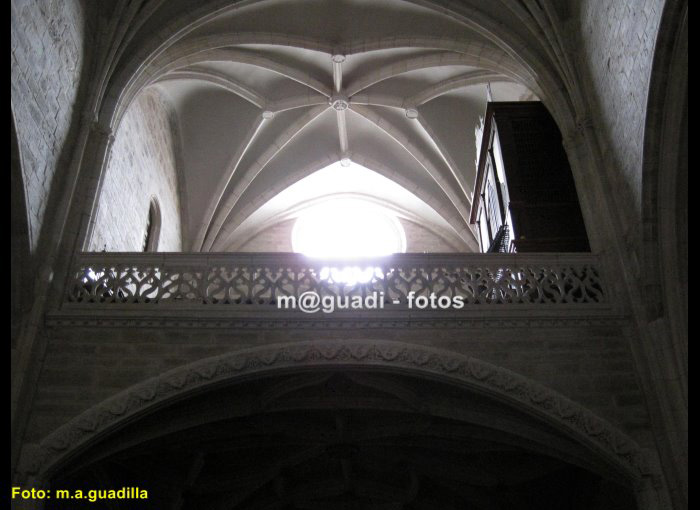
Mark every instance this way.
x=260 y=279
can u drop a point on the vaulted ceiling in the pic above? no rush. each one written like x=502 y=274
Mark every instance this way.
x=269 y=92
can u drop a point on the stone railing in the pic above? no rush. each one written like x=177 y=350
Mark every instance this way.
x=279 y=282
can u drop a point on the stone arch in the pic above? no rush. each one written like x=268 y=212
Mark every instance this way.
x=449 y=237
x=515 y=50
x=665 y=167
x=549 y=78
x=20 y=238
x=665 y=239
x=153 y=227
x=226 y=240
x=162 y=200
x=605 y=443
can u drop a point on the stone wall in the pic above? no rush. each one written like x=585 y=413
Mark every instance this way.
x=616 y=51
x=275 y=238
x=142 y=166
x=422 y=240
x=589 y=364
x=47 y=45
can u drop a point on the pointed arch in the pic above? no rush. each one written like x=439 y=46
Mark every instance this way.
x=605 y=443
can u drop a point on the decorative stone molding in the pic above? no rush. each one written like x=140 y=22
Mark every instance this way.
x=118 y=319
x=567 y=416
x=339 y=102
x=250 y=281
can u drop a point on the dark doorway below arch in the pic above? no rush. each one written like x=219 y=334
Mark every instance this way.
x=351 y=439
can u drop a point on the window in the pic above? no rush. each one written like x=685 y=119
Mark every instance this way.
x=347 y=228
x=152 y=233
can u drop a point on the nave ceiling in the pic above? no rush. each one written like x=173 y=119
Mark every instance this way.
x=267 y=93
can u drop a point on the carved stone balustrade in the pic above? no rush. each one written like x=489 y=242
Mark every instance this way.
x=271 y=286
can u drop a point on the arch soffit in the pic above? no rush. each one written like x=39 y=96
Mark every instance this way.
x=667 y=99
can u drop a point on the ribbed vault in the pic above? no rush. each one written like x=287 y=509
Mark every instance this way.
x=266 y=89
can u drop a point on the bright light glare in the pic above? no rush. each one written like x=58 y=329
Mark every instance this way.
x=346 y=228
x=350 y=275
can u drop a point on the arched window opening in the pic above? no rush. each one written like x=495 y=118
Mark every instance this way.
x=152 y=232
x=347 y=228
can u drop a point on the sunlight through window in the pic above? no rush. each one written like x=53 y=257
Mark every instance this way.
x=350 y=275
x=345 y=228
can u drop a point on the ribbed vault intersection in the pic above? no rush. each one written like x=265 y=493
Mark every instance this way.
x=270 y=92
